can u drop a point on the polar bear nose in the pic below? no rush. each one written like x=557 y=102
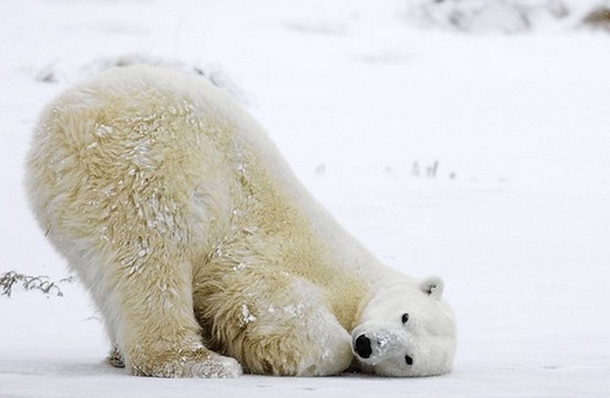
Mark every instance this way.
x=363 y=346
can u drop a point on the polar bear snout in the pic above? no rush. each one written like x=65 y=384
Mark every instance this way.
x=362 y=346
x=377 y=346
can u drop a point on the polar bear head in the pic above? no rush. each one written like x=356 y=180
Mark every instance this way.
x=406 y=329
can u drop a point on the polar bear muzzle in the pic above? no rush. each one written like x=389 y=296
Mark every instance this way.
x=363 y=348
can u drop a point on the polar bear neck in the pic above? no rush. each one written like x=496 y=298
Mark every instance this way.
x=315 y=246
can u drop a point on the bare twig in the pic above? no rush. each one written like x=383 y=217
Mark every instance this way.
x=41 y=283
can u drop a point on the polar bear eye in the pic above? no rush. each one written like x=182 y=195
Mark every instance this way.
x=405 y=318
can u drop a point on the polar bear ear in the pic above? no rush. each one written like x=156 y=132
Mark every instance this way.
x=433 y=286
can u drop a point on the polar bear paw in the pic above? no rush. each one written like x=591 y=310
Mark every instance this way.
x=195 y=364
x=216 y=367
x=115 y=358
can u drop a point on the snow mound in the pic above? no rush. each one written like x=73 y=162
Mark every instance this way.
x=212 y=72
x=503 y=16
x=216 y=74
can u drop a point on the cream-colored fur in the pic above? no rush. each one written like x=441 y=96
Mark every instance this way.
x=200 y=248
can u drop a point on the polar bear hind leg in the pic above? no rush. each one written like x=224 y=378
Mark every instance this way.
x=147 y=301
x=126 y=229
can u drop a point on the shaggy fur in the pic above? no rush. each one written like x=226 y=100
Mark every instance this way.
x=196 y=242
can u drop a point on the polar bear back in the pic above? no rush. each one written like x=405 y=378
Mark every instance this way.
x=198 y=173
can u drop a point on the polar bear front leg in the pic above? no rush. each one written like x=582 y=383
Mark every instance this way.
x=297 y=340
x=278 y=324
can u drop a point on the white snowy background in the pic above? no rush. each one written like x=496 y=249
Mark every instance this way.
x=362 y=98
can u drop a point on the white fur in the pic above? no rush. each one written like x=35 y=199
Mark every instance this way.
x=198 y=244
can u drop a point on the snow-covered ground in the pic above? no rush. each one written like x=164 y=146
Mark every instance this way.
x=362 y=103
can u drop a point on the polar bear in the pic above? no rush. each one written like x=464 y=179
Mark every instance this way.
x=203 y=253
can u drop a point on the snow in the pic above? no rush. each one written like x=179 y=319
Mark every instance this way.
x=356 y=96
